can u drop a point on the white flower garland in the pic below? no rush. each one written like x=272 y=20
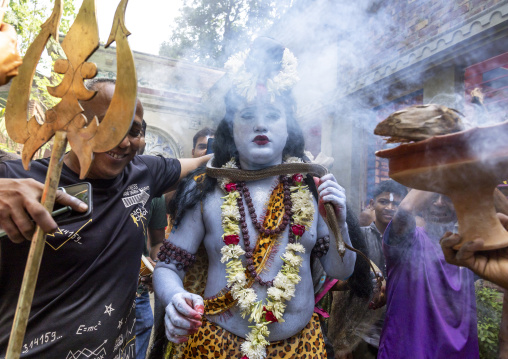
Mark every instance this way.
x=246 y=82
x=285 y=281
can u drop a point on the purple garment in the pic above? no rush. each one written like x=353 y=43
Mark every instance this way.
x=431 y=307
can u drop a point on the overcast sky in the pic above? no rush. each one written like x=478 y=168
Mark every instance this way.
x=147 y=20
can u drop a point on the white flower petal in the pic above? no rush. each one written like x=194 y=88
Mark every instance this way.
x=296 y=247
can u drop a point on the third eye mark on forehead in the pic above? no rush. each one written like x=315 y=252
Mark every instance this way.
x=385 y=201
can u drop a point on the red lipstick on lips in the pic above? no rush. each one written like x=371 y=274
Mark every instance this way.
x=261 y=140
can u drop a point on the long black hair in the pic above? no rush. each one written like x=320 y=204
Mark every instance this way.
x=360 y=283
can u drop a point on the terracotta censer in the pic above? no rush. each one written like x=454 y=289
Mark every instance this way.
x=465 y=166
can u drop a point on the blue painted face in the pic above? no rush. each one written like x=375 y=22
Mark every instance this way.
x=260 y=134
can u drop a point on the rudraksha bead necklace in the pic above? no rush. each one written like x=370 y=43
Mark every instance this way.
x=286 y=219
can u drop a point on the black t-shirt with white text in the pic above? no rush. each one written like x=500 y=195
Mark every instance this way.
x=83 y=305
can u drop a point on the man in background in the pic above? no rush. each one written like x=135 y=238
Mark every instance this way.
x=200 y=141
x=431 y=308
x=386 y=199
x=199 y=147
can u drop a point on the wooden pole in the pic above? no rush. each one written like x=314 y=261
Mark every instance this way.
x=36 y=249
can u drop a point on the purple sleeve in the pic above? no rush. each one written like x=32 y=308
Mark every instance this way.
x=394 y=252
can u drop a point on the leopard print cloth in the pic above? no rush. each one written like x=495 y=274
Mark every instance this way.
x=211 y=341
x=195 y=279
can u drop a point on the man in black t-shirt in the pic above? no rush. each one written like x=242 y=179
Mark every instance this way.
x=83 y=305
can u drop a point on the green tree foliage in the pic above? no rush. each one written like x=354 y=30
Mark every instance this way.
x=209 y=31
x=27 y=16
x=489 y=303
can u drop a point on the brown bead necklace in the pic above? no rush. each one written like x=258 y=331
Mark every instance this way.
x=286 y=219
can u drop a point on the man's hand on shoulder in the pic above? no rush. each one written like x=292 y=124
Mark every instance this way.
x=190 y=164
x=20 y=201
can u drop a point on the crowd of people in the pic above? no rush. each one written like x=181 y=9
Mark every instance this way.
x=235 y=274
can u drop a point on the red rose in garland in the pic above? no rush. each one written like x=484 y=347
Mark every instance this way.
x=231 y=187
x=298 y=178
x=298 y=229
x=232 y=239
x=269 y=316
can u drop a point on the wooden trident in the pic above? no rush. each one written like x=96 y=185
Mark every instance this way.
x=66 y=121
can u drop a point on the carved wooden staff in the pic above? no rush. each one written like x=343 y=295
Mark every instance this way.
x=66 y=121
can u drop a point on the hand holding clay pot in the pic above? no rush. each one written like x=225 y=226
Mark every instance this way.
x=9 y=56
x=491 y=265
x=465 y=166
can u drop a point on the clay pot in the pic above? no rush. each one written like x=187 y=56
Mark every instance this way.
x=466 y=166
